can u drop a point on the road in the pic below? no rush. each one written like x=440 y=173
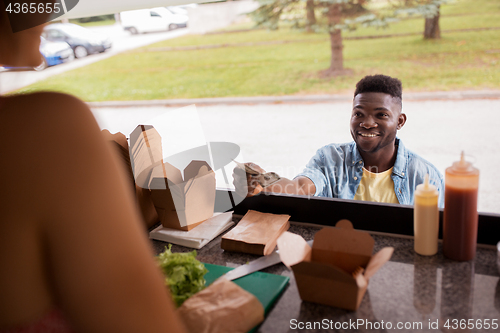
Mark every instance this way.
x=122 y=41
x=283 y=137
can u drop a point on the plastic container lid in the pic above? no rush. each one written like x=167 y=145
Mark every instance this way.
x=462 y=167
x=427 y=189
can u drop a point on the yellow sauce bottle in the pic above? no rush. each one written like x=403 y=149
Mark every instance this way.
x=426 y=218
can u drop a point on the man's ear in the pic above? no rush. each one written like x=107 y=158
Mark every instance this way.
x=401 y=120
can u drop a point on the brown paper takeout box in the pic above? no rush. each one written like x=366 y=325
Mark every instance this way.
x=256 y=233
x=181 y=203
x=143 y=196
x=337 y=269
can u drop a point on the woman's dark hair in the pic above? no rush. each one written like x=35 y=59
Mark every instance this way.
x=380 y=83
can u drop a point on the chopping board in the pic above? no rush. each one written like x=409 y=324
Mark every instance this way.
x=266 y=287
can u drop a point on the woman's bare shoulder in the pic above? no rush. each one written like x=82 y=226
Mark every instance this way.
x=44 y=127
x=42 y=104
x=42 y=113
x=46 y=97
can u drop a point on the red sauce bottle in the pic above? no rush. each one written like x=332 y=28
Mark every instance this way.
x=460 y=211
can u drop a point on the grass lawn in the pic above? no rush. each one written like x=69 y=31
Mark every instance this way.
x=458 y=61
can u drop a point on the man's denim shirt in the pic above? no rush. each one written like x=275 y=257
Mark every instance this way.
x=336 y=171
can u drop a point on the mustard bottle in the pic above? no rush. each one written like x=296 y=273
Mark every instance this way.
x=460 y=211
x=426 y=218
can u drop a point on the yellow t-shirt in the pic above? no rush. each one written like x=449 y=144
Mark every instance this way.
x=377 y=187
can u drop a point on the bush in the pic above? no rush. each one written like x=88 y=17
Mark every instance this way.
x=96 y=18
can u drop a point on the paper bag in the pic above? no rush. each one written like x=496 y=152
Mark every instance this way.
x=256 y=233
x=222 y=307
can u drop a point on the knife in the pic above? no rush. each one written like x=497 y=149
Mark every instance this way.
x=256 y=265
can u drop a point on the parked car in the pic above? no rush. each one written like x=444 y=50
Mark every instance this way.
x=154 y=19
x=54 y=53
x=178 y=10
x=82 y=40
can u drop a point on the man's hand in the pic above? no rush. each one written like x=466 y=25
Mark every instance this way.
x=247 y=184
x=248 y=177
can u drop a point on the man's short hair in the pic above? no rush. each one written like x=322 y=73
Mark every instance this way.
x=382 y=84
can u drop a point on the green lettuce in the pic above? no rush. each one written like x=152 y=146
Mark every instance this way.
x=183 y=274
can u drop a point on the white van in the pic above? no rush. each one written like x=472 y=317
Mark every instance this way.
x=154 y=19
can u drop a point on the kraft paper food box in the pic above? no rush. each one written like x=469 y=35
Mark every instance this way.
x=143 y=196
x=338 y=267
x=181 y=203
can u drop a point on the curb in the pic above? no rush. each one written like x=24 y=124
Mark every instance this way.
x=417 y=96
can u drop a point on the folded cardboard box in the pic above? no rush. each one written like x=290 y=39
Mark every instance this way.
x=119 y=145
x=338 y=267
x=256 y=233
x=182 y=203
x=145 y=153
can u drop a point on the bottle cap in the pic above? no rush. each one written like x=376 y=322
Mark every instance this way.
x=462 y=166
x=427 y=188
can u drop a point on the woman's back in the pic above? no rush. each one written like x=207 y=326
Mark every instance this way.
x=24 y=284
x=71 y=236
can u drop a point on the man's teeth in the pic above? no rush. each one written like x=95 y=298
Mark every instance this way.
x=368 y=135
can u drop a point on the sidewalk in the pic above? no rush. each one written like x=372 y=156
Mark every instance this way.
x=281 y=134
x=415 y=96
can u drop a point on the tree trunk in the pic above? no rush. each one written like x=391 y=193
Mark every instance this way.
x=311 y=17
x=336 y=47
x=337 y=58
x=431 y=30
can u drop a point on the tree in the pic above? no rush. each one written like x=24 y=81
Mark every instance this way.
x=311 y=15
x=431 y=29
x=429 y=9
x=338 y=15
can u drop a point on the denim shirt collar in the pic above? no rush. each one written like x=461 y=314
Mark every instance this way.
x=356 y=156
x=400 y=165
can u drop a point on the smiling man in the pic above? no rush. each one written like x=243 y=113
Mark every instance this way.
x=376 y=166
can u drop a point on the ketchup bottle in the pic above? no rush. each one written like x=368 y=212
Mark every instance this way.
x=460 y=211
